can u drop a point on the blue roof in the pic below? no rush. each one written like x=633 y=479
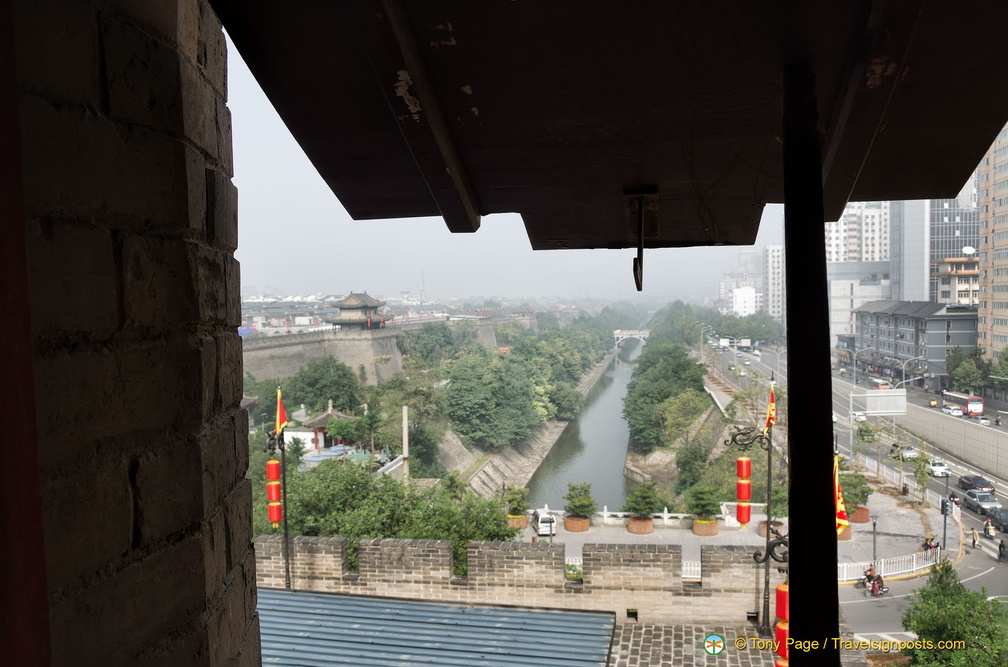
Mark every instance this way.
x=303 y=628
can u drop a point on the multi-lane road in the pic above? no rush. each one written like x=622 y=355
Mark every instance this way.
x=879 y=618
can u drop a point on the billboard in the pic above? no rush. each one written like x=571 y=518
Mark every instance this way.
x=884 y=401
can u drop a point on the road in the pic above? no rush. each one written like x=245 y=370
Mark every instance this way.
x=879 y=618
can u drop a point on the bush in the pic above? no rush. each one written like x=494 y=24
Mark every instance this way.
x=516 y=500
x=855 y=488
x=703 y=502
x=643 y=501
x=579 y=500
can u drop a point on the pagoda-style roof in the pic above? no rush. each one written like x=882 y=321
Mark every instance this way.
x=358 y=301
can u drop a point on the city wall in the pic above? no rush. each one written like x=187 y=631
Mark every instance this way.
x=282 y=355
x=646 y=578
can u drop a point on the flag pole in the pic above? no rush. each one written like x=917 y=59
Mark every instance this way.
x=764 y=629
x=283 y=477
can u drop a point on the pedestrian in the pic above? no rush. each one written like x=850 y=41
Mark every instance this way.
x=1001 y=551
x=976 y=537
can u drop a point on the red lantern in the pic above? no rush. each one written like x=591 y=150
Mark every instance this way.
x=781 y=635
x=781 y=606
x=272 y=470
x=743 y=512
x=743 y=490
x=781 y=662
x=273 y=491
x=275 y=511
x=743 y=467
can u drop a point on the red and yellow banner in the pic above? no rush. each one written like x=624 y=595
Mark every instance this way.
x=841 y=509
x=771 y=414
x=281 y=414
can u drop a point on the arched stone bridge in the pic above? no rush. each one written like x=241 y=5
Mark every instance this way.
x=621 y=335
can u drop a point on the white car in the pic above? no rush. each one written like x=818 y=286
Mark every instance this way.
x=938 y=468
x=906 y=452
x=953 y=410
x=858 y=417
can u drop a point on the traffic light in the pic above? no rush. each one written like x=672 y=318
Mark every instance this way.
x=944 y=507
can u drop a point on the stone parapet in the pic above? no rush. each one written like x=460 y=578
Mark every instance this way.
x=631 y=580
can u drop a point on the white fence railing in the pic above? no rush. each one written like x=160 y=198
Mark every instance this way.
x=691 y=570
x=890 y=567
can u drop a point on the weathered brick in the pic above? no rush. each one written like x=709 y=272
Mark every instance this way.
x=173 y=577
x=219 y=469
x=222 y=210
x=56 y=55
x=83 y=392
x=78 y=165
x=158 y=282
x=238 y=511
x=74 y=279
x=143 y=77
x=168 y=490
x=88 y=521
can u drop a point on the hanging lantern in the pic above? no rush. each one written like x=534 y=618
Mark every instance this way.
x=781 y=635
x=273 y=491
x=743 y=490
x=743 y=513
x=781 y=602
x=275 y=513
x=272 y=470
x=743 y=467
x=781 y=662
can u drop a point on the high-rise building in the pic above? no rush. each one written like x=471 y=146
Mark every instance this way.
x=773 y=282
x=992 y=199
x=860 y=235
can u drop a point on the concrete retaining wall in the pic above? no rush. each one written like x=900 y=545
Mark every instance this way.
x=983 y=447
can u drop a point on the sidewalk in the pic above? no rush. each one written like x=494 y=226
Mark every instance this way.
x=899 y=530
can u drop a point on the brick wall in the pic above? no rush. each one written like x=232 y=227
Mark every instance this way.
x=617 y=577
x=131 y=223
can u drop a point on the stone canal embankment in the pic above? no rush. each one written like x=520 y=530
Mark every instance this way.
x=486 y=473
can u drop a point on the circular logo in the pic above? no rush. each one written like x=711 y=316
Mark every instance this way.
x=713 y=644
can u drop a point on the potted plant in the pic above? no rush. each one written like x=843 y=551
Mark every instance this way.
x=856 y=490
x=704 y=504
x=517 y=505
x=642 y=501
x=579 y=508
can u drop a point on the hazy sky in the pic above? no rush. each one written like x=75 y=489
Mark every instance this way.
x=295 y=237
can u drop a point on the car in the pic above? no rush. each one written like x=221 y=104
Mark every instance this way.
x=906 y=452
x=858 y=417
x=983 y=420
x=937 y=468
x=976 y=483
x=999 y=518
x=980 y=501
x=834 y=418
x=756 y=353
x=953 y=410
x=747 y=363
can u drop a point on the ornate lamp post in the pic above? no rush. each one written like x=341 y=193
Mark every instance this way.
x=777 y=547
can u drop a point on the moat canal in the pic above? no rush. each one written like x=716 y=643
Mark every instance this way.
x=593 y=446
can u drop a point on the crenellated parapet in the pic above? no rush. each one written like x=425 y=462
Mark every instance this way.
x=644 y=578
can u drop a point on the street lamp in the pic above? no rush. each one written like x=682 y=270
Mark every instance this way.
x=874 y=540
x=907 y=362
x=854 y=358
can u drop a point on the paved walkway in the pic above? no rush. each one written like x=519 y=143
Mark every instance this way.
x=899 y=530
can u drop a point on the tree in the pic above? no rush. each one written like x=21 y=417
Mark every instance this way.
x=579 y=500
x=691 y=461
x=680 y=411
x=321 y=380
x=516 y=500
x=643 y=501
x=944 y=610
x=968 y=377
x=703 y=502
